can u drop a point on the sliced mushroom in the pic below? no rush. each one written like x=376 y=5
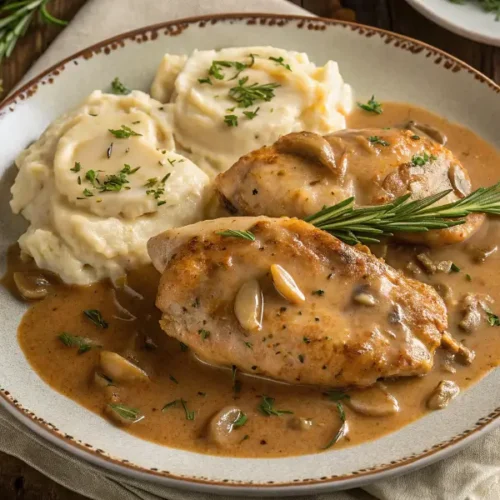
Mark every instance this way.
x=432 y=267
x=427 y=130
x=32 y=285
x=413 y=268
x=459 y=180
x=464 y=355
x=474 y=306
x=375 y=401
x=285 y=285
x=300 y=424
x=118 y=368
x=446 y=292
x=442 y=395
x=480 y=253
x=309 y=145
x=222 y=429
x=249 y=305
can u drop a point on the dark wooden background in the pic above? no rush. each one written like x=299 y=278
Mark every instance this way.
x=18 y=480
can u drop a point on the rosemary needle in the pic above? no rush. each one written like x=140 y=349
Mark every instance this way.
x=368 y=224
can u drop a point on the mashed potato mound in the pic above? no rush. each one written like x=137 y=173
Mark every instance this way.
x=101 y=181
x=229 y=102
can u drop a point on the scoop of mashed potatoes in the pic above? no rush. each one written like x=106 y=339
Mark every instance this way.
x=229 y=102
x=99 y=183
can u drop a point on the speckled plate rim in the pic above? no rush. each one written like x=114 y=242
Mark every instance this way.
x=354 y=479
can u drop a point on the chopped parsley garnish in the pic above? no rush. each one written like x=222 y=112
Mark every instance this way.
x=301 y=358
x=171 y=161
x=117 y=87
x=231 y=120
x=267 y=408
x=423 y=159
x=249 y=345
x=245 y=437
x=337 y=395
x=343 y=428
x=183 y=346
x=189 y=414
x=280 y=62
x=255 y=191
x=173 y=379
x=157 y=188
x=205 y=80
x=77 y=167
x=127 y=169
x=87 y=193
x=240 y=420
x=124 y=132
x=371 y=106
x=244 y=235
x=96 y=317
x=251 y=114
x=375 y=139
x=468 y=277
x=82 y=343
x=204 y=334
x=319 y=293
x=454 y=268
x=306 y=340
x=415 y=137
x=125 y=412
x=215 y=69
x=493 y=319
x=247 y=95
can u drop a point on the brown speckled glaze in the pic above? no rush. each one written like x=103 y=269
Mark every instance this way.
x=175 y=28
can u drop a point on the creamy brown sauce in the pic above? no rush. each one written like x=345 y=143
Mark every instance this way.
x=176 y=374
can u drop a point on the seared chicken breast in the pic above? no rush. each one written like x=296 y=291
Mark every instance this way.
x=282 y=299
x=303 y=172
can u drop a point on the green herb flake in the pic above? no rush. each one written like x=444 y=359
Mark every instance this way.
x=204 y=334
x=123 y=132
x=117 y=87
x=301 y=358
x=421 y=160
x=306 y=340
x=87 y=193
x=375 y=139
x=267 y=408
x=173 y=379
x=415 y=137
x=468 y=277
x=454 y=268
x=183 y=347
x=249 y=345
x=493 y=319
x=337 y=395
x=96 y=317
x=251 y=114
x=247 y=95
x=126 y=412
x=280 y=62
x=205 y=80
x=343 y=428
x=319 y=293
x=231 y=120
x=82 y=343
x=372 y=106
x=244 y=235
x=77 y=167
x=240 y=420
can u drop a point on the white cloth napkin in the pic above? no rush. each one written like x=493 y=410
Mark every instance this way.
x=473 y=474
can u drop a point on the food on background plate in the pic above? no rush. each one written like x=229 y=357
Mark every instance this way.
x=231 y=101
x=99 y=182
x=303 y=172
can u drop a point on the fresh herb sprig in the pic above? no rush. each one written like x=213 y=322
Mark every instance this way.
x=267 y=408
x=368 y=224
x=82 y=343
x=16 y=16
x=118 y=88
x=248 y=94
x=487 y=5
x=372 y=106
x=126 y=412
x=235 y=233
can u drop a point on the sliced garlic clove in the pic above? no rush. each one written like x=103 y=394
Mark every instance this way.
x=285 y=285
x=249 y=305
x=374 y=401
x=119 y=369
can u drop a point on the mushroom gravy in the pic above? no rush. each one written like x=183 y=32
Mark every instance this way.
x=174 y=373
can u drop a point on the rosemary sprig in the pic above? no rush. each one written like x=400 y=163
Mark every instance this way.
x=368 y=224
x=15 y=19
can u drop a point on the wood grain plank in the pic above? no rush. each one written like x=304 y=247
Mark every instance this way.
x=35 y=42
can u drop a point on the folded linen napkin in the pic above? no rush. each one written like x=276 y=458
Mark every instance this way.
x=473 y=474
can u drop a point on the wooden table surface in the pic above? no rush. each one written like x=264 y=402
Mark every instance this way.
x=20 y=481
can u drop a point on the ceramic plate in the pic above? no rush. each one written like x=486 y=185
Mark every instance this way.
x=373 y=61
x=468 y=19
